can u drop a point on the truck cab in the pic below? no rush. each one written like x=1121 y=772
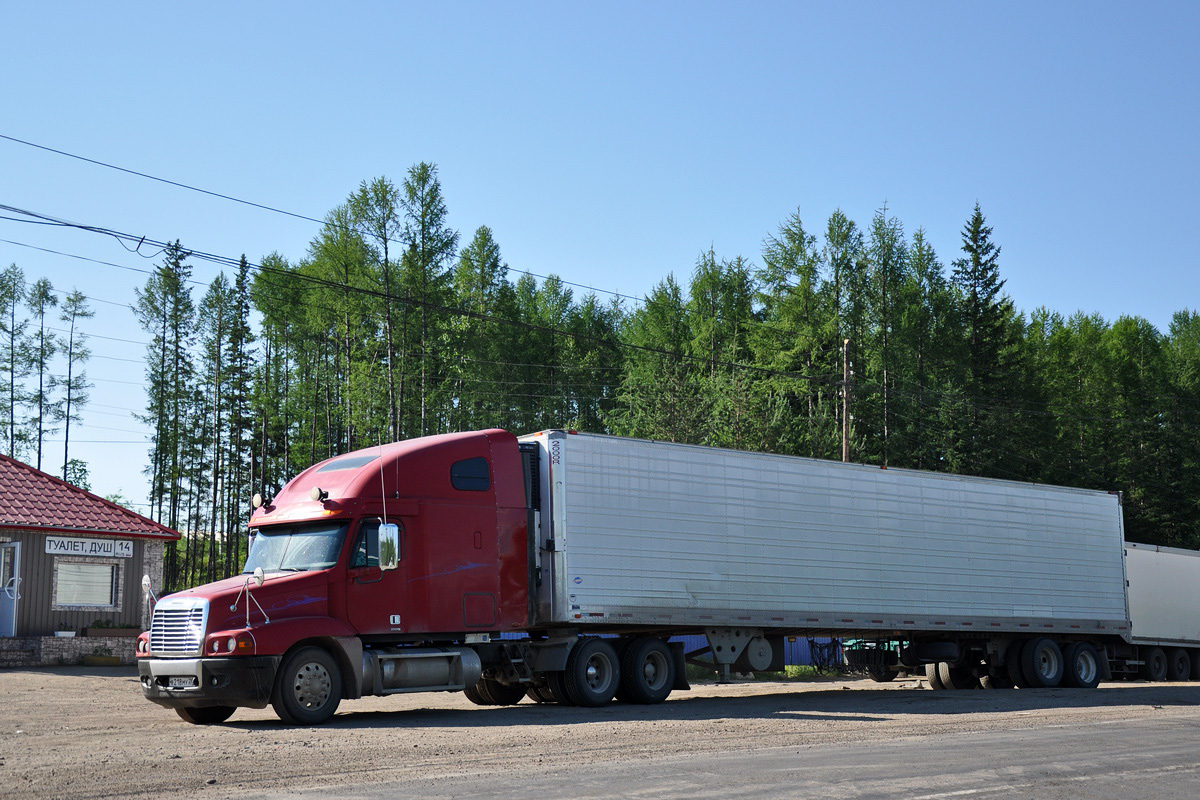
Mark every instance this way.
x=421 y=545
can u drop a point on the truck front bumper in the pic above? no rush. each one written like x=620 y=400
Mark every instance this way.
x=199 y=682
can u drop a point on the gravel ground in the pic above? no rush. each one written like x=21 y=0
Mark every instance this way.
x=77 y=732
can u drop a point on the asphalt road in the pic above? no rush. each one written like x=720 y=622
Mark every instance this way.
x=1145 y=759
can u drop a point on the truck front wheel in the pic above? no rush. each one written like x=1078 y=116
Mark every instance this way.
x=206 y=715
x=308 y=687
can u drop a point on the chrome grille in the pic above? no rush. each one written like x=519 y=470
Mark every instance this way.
x=178 y=627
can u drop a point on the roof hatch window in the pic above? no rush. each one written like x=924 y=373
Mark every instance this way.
x=348 y=463
x=471 y=475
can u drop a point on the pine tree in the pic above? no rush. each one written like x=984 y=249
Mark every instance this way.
x=14 y=353
x=75 y=385
x=167 y=313
x=44 y=410
x=983 y=416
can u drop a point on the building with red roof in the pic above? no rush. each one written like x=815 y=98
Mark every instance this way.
x=70 y=560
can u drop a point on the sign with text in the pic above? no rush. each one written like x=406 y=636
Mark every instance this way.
x=105 y=548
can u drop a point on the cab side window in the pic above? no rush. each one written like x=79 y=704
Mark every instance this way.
x=371 y=542
x=471 y=475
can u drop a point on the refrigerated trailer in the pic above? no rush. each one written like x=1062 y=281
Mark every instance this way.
x=557 y=566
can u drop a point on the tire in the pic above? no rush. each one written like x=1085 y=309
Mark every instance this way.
x=206 y=715
x=881 y=674
x=540 y=694
x=1081 y=666
x=1179 y=664
x=647 y=671
x=501 y=694
x=556 y=683
x=592 y=674
x=1154 y=667
x=931 y=675
x=956 y=677
x=308 y=687
x=475 y=696
x=1012 y=664
x=999 y=680
x=1195 y=656
x=1042 y=663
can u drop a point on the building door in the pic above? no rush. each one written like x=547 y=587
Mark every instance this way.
x=10 y=586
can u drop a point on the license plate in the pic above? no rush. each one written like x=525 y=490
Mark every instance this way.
x=181 y=682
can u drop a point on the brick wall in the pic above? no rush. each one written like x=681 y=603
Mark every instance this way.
x=50 y=651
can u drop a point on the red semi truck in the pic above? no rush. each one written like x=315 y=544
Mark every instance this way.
x=558 y=566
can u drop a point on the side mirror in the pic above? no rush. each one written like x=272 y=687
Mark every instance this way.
x=389 y=545
x=146 y=584
x=259 y=576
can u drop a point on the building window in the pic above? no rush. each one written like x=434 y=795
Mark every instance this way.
x=83 y=584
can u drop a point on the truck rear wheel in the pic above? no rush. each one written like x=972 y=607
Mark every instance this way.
x=1081 y=666
x=1042 y=663
x=1154 y=665
x=1195 y=656
x=308 y=687
x=540 y=694
x=592 y=674
x=647 y=671
x=206 y=715
x=1179 y=664
x=500 y=694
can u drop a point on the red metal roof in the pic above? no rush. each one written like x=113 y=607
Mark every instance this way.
x=32 y=500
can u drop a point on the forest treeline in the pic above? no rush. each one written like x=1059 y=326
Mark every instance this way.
x=43 y=370
x=392 y=326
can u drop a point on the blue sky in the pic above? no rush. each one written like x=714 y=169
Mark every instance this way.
x=607 y=143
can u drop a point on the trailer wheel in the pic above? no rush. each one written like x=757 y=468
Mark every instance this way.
x=996 y=680
x=592 y=674
x=1081 y=667
x=1042 y=663
x=882 y=674
x=308 y=687
x=1179 y=664
x=956 y=677
x=932 y=676
x=647 y=671
x=1154 y=668
x=1195 y=656
x=1012 y=664
x=207 y=715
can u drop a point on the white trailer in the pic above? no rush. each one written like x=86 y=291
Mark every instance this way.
x=1164 y=607
x=971 y=579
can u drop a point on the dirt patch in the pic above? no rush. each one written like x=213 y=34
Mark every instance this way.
x=75 y=732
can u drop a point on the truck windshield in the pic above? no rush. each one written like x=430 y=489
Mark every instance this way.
x=296 y=548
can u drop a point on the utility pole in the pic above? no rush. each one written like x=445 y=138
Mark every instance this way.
x=846 y=401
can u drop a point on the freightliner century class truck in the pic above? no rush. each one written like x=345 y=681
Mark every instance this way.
x=558 y=566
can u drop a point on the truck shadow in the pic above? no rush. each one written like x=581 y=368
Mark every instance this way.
x=832 y=705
